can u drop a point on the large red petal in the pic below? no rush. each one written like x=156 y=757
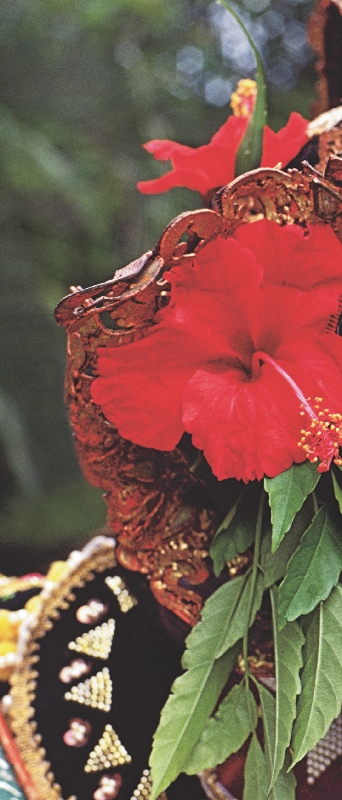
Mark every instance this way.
x=215 y=298
x=285 y=314
x=289 y=257
x=139 y=389
x=286 y=144
x=140 y=385
x=251 y=428
x=315 y=364
x=246 y=428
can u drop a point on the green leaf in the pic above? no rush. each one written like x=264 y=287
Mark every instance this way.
x=321 y=697
x=313 y=569
x=288 y=644
x=285 y=785
x=255 y=787
x=275 y=564
x=337 y=491
x=250 y=150
x=186 y=713
x=223 y=624
x=287 y=493
x=228 y=609
x=237 y=531
x=226 y=732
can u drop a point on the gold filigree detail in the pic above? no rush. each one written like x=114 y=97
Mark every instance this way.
x=284 y=197
x=97 y=556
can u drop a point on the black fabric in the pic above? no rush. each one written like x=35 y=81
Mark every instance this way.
x=143 y=664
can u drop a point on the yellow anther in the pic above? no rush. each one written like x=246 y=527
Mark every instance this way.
x=243 y=99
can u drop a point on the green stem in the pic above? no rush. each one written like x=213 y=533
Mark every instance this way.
x=315 y=502
x=250 y=150
x=255 y=567
x=197 y=463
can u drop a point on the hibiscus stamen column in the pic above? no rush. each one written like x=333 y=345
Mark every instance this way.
x=324 y=437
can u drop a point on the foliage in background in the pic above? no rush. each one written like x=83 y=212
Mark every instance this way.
x=83 y=84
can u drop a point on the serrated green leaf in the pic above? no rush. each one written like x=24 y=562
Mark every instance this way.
x=237 y=531
x=285 y=785
x=321 y=697
x=223 y=619
x=250 y=150
x=255 y=779
x=185 y=715
x=222 y=625
x=275 y=564
x=313 y=568
x=288 y=644
x=337 y=491
x=218 y=547
x=225 y=732
x=287 y=493
x=227 y=608
x=239 y=620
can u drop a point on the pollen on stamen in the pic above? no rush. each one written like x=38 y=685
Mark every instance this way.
x=243 y=99
x=322 y=440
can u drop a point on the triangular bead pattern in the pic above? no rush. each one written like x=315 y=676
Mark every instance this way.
x=95 y=691
x=325 y=752
x=143 y=789
x=109 y=752
x=97 y=642
x=125 y=599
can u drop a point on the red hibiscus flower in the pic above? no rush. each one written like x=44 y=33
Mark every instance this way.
x=245 y=325
x=213 y=165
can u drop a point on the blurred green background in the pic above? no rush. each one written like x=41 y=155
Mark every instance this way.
x=83 y=84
